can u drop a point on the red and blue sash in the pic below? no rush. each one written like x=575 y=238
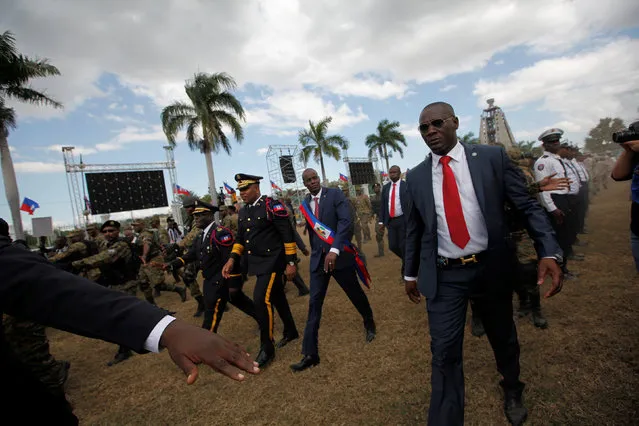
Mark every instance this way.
x=327 y=235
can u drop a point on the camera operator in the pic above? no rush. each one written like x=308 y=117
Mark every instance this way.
x=627 y=168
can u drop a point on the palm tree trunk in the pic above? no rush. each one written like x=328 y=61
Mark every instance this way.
x=324 y=181
x=11 y=186
x=209 y=169
x=386 y=158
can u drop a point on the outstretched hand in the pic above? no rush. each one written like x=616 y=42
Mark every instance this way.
x=551 y=183
x=190 y=346
x=550 y=268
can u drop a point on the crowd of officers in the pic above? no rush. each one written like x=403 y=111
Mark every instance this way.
x=139 y=255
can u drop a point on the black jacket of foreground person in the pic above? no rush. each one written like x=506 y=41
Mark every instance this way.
x=34 y=289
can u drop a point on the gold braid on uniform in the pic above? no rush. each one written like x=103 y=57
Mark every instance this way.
x=238 y=249
x=290 y=248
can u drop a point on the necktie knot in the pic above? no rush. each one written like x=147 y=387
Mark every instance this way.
x=445 y=159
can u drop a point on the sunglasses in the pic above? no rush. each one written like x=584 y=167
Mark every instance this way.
x=438 y=123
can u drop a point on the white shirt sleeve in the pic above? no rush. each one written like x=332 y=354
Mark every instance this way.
x=152 y=343
x=544 y=168
x=334 y=250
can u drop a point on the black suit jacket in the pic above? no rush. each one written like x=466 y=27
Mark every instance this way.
x=266 y=236
x=495 y=180
x=334 y=212
x=212 y=251
x=384 y=214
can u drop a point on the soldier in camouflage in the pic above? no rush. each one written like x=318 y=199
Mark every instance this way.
x=162 y=236
x=93 y=234
x=117 y=270
x=357 y=229
x=148 y=249
x=365 y=213
x=376 y=204
x=230 y=217
x=77 y=249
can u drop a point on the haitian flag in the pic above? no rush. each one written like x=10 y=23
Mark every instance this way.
x=343 y=178
x=229 y=189
x=180 y=191
x=384 y=174
x=274 y=186
x=29 y=206
x=327 y=235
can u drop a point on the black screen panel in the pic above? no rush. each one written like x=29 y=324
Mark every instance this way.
x=124 y=191
x=286 y=166
x=362 y=173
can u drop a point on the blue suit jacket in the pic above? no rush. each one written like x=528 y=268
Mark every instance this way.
x=495 y=179
x=335 y=213
x=384 y=214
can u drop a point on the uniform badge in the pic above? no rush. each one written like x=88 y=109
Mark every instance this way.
x=278 y=208
x=540 y=167
x=225 y=238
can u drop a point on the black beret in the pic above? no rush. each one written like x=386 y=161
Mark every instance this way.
x=111 y=223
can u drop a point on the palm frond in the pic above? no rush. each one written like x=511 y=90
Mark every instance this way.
x=338 y=140
x=232 y=122
x=332 y=151
x=305 y=154
x=174 y=117
x=29 y=95
x=226 y=100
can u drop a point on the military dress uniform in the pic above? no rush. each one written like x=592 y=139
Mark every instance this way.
x=266 y=237
x=211 y=251
x=547 y=165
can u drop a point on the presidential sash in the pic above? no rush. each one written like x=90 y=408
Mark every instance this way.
x=327 y=235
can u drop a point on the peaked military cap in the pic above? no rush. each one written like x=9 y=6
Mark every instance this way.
x=244 y=180
x=111 y=223
x=189 y=201
x=551 y=135
x=203 y=207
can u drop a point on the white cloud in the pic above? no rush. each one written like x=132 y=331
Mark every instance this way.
x=448 y=88
x=499 y=62
x=138 y=109
x=293 y=45
x=132 y=134
x=410 y=131
x=285 y=113
x=38 y=167
x=261 y=151
x=77 y=149
x=579 y=89
x=113 y=105
x=116 y=118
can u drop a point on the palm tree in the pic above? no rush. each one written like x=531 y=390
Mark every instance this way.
x=315 y=142
x=387 y=139
x=16 y=71
x=526 y=146
x=212 y=106
x=469 y=138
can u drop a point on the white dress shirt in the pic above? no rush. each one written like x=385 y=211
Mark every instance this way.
x=312 y=206
x=473 y=216
x=546 y=165
x=581 y=169
x=207 y=230
x=573 y=175
x=398 y=204
x=152 y=343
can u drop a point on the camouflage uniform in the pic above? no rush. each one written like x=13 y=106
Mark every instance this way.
x=230 y=222
x=376 y=203
x=28 y=341
x=75 y=251
x=191 y=269
x=357 y=228
x=365 y=213
x=151 y=273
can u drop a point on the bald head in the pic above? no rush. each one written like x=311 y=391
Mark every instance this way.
x=444 y=107
x=394 y=173
x=311 y=181
x=438 y=127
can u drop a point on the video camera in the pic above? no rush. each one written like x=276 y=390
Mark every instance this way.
x=632 y=134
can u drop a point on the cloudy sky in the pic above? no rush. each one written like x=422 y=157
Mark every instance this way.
x=546 y=62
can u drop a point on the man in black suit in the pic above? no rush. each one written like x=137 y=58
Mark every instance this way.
x=330 y=207
x=211 y=250
x=392 y=214
x=457 y=249
x=266 y=237
x=32 y=288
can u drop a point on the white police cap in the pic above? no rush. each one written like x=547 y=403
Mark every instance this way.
x=551 y=135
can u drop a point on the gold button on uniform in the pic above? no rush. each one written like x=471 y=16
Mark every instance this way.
x=247 y=241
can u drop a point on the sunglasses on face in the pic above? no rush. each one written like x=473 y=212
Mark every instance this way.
x=438 y=123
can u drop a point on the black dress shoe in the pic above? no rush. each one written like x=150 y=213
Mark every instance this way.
x=477 y=327
x=120 y=357
x=371 y=332
x=514 y=408
x=307 y=362
x=286 y=339
x=264 y=358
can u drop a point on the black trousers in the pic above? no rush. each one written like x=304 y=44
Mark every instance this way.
x=347 y=279
x=566 y=231
x=397 y=237
x=269 y=293
x=447 y=319
x=216 y=296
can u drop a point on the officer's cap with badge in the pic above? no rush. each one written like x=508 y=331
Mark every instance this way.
x=203 y=207
x=551 y=136
x=244 y=181
x=110 y=224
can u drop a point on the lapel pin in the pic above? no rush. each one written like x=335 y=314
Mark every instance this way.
x=474 y=154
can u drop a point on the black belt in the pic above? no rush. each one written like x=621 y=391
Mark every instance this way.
x=445 y=262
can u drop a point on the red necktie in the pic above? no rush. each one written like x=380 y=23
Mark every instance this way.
x=452 y=206
x=316 y=212
x=392 y=207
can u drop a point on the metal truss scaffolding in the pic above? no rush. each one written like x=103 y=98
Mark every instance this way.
x=75 y=181
x=287 y=156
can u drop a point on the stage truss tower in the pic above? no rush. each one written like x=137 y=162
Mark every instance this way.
x=494 y=128
x=295 y=189
x=374 y=160
x=75 y=181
